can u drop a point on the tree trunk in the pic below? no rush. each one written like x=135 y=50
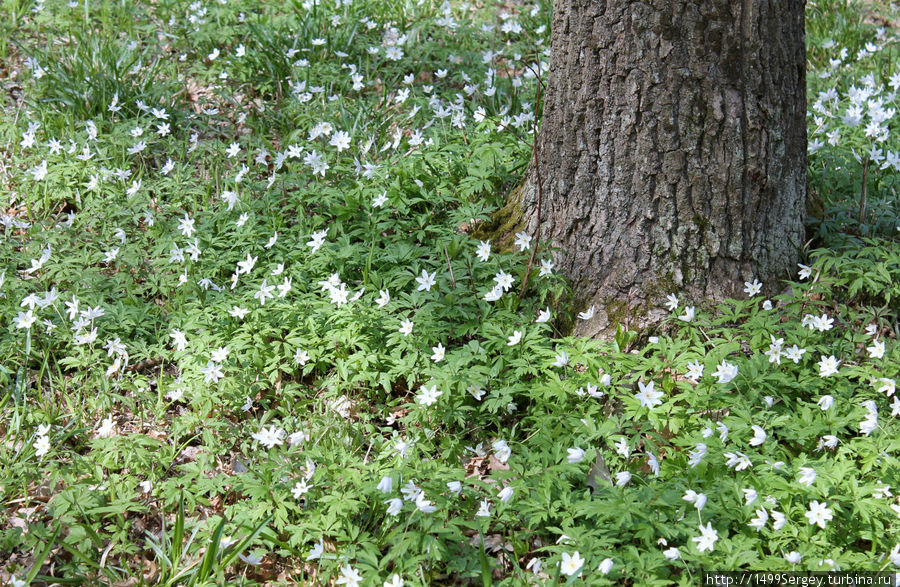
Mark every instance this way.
x=672 y=153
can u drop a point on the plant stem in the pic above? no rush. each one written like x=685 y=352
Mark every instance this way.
x=537 y=176
x=862 y=191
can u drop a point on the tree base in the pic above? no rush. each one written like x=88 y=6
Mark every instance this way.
x=672 y=153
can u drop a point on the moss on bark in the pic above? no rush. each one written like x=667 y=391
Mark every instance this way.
x=501 y=229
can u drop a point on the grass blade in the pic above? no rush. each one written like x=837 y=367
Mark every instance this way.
x=227 y=560
x=40 y=558
x=209 y=558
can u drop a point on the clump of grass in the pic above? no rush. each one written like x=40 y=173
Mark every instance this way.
x=87 y=73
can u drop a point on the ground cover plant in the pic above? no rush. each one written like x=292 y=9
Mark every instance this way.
x=256 y=323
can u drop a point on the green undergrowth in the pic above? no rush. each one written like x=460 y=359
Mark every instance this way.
x=262 y=318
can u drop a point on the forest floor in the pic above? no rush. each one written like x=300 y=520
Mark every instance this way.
x=246 y=335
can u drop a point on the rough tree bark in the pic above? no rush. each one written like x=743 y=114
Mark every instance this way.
x=672 y=151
